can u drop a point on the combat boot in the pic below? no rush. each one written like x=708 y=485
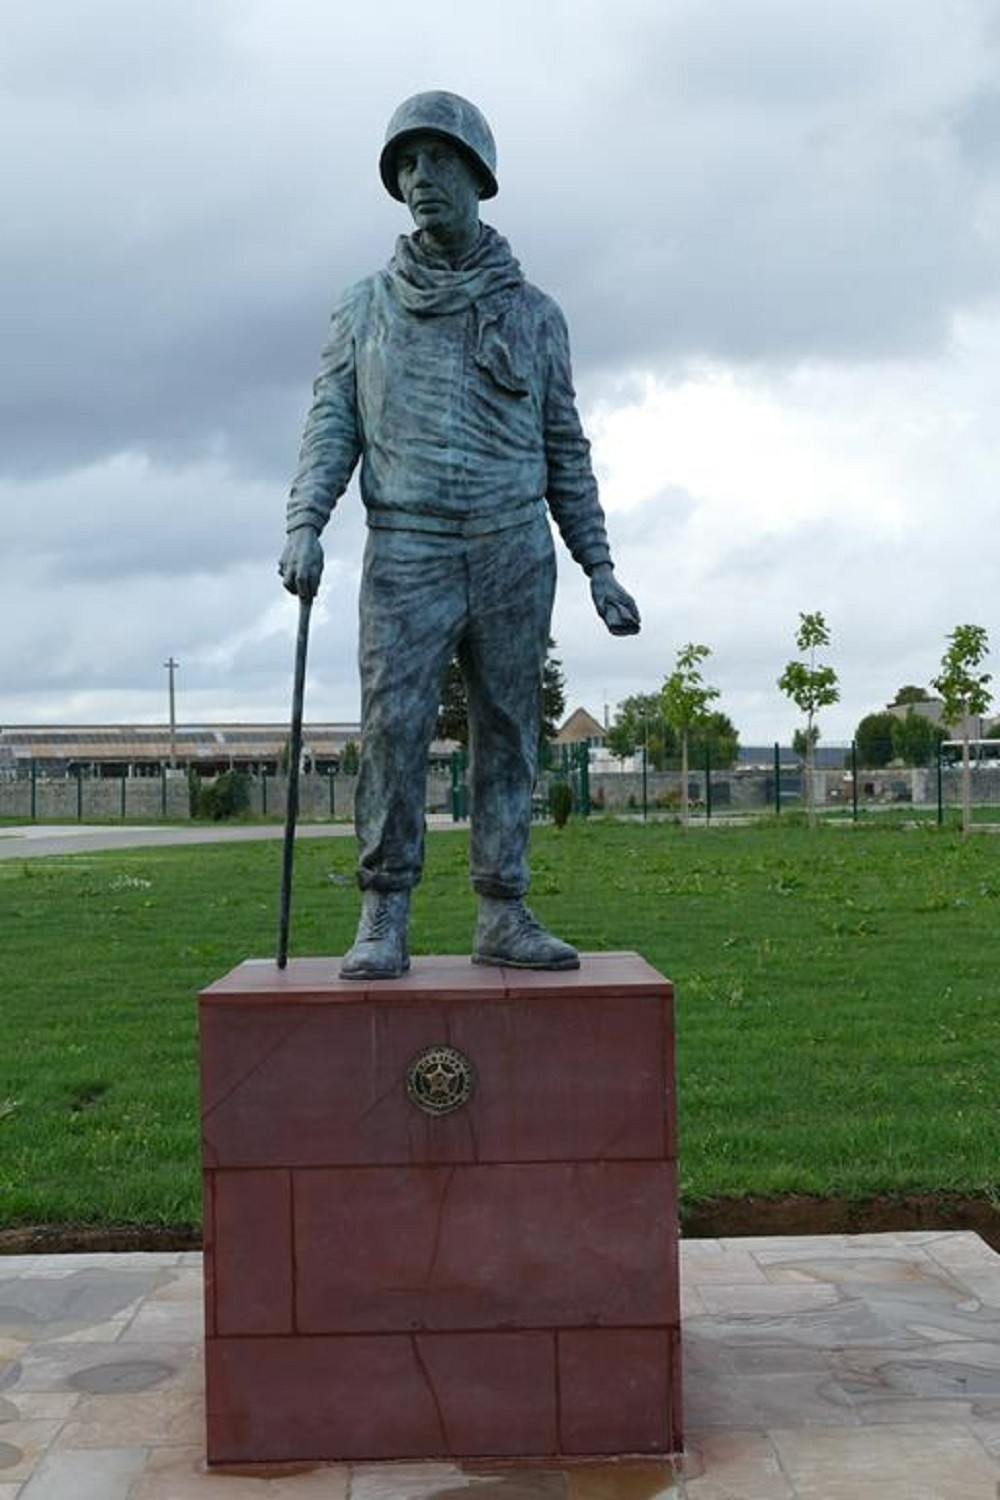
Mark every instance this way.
x=508 y=933
x=380 y=948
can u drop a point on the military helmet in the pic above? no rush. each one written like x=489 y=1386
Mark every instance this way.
x=449 y=115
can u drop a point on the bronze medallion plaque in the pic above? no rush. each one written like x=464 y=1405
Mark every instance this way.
x=439 y=1080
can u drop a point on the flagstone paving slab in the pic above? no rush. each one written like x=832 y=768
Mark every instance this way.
x=97 y=1474
x=22 y=1444
x=815 y=1368
x=894 y=1463
x=733 y=1466
x=415 y=1481
x=784 y=1300
x=180 y=1474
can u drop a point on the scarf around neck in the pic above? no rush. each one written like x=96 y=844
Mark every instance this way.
x=487 y=281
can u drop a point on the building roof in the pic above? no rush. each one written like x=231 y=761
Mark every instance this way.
x=152 y=742
x=581 y=726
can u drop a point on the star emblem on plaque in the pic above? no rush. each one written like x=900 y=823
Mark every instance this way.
x=440 y=1080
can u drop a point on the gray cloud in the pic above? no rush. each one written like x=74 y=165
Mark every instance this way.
x=754 y=182
x=188 y=187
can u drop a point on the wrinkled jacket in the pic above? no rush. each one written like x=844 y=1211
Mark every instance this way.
x=445 y=446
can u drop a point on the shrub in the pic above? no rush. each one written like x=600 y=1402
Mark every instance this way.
x=560 y=802
x=228 y=796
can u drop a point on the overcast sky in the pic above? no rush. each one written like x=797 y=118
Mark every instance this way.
x=774 y=228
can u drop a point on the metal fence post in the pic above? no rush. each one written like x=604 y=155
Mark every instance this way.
x=777 y=778
x=940 y=787
x=854 y=779
x=584 y=755
x=123 y=798
x=708 y=783
x=458 y=792
x=34 y=790
x=645 y=761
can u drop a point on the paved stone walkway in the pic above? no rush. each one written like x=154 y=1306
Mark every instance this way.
x=825 y=1368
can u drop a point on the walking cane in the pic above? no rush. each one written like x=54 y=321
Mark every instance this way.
x=294 y=756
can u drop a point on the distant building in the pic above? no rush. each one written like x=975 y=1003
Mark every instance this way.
x=581 y=728
x=924 y=708
x=829 y=757
x=979 y=726
x=144 y=750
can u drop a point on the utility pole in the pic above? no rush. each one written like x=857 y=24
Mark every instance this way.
x=171 y=667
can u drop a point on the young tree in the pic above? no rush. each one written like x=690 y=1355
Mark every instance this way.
x=964 y=693
x=685 y=698
x=801 y=739
x=811 y=686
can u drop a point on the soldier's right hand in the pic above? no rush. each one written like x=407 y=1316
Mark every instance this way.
x=301 y=563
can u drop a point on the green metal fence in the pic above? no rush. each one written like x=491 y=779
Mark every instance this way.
x=775 y=785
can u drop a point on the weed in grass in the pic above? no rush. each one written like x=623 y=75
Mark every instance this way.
x=83 y=1096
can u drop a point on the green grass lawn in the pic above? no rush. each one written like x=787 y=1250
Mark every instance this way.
x=838 y=1024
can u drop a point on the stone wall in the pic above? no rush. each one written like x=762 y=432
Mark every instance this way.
x=325 y=797
x=615 y=791
x=152 y=798
x=97 y=798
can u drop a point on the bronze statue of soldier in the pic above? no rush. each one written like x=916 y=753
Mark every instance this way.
x=447 y=375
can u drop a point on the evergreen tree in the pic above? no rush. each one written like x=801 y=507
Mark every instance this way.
x=716 y=737
x=915 y=739
x=553 y=694
x=875 y=740
x=453 y=710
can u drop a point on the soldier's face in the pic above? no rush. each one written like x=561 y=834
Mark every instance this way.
x=439 y=186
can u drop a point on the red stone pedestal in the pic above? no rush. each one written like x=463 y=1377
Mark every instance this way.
x=500 y=1281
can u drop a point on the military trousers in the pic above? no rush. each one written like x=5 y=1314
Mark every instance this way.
x=425 y=598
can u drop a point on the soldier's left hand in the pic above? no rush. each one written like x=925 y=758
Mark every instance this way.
x=614 y=604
